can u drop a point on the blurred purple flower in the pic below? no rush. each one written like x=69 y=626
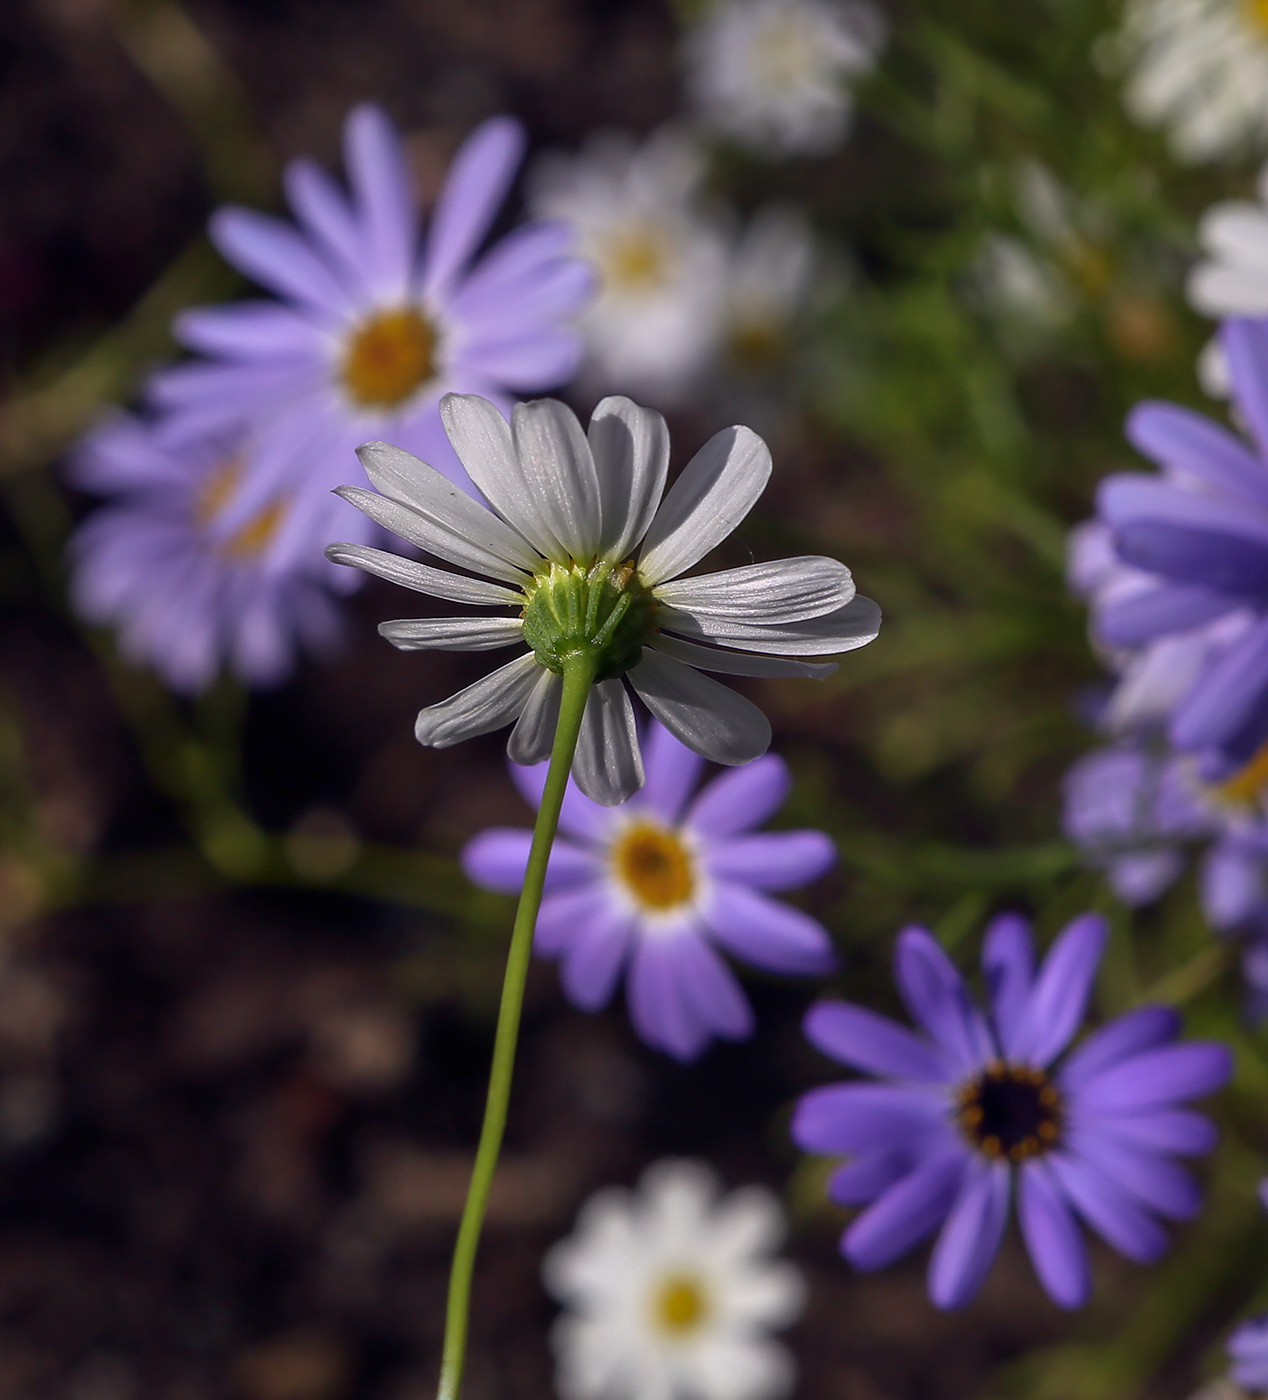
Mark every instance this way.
x=974 y=1106
x=655 y=883
x=1132 y=810
x=1248 y=1347
x=1200 y=532
x=187 y=589
x=373 y=326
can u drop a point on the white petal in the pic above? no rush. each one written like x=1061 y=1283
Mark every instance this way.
x=716 y=490
x=453 y=633
x=448 y=511
x=422 y=578
x=731 y=663
x=785 y=590
x=849 y=627
x=558 y=472
x=608 y=766
x=631 y=456
x=494 y=700
x=711 y=720
x=534 y=733
x=481 y=437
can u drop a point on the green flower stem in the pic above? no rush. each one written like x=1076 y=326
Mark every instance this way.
x=579 y=670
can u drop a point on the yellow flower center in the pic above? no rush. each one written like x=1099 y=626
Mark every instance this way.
x=635 y=260
x=1246 y=786
x=786 y=56
x=654 y=866
x=680 y=1305
x=1257 y=13
x=389 y=358
x=756 y=345
x=249 y=541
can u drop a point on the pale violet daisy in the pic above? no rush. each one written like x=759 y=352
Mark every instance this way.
x=1199 y=68
x=670 y=1292
x=661 y=259
x=774 y=74
x=663 y=884
x=588 y=549
x=374 y=323
x=190 y=594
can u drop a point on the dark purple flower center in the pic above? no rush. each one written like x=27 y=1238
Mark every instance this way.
x=1010 y=1111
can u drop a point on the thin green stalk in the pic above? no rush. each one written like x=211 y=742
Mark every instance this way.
x=579 y=671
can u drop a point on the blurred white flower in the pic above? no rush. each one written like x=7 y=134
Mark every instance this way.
x=670 y=1292
x=1200 y=68
x=773 y=73
x=1231 y=279
x=772 y=265
x=662 y=261
x=1040 y=278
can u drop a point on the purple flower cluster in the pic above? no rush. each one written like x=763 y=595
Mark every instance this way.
x=373 y=325
x=976 y=1106
x=658 y=884
x=1175 y=568
x=1197 y=538
x=1133 y=808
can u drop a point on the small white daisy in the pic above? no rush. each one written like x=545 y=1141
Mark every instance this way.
x=670 y=1292
x=773 y=73
x=771 y=268
x=1200 y=68
x=1231 y=279
x=588 y=549
x=636 y=218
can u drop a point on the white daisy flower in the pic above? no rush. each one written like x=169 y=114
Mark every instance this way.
x=589 y=557
x=662 y=264
x=771 y=269
x=1231 y=279
x=671 y=1292
x=1200 y=68
x=773 y=73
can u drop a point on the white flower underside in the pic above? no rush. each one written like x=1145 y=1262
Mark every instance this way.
x=563 y=497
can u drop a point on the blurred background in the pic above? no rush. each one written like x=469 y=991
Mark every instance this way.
x=246 y=993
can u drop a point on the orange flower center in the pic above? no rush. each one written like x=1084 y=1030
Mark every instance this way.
x=250 y=540
x=654 y=866
x=1246 y=786
x=389 y=358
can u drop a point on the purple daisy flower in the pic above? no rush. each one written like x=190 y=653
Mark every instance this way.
x=1200 y=534
x=662 y=881
x=187 y=592
x=976 y=1105
x=1132 y=810
x=374 y=326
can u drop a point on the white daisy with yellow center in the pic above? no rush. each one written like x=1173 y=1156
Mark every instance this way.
x=636 y=217
x=774 y=73
x=670 y=1291
x=1199 y=68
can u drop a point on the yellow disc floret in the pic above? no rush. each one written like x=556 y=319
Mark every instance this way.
x=680 y=1305
x=389 y=358
x=654 y=866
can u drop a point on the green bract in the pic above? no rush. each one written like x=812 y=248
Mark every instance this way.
x=603 y=609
